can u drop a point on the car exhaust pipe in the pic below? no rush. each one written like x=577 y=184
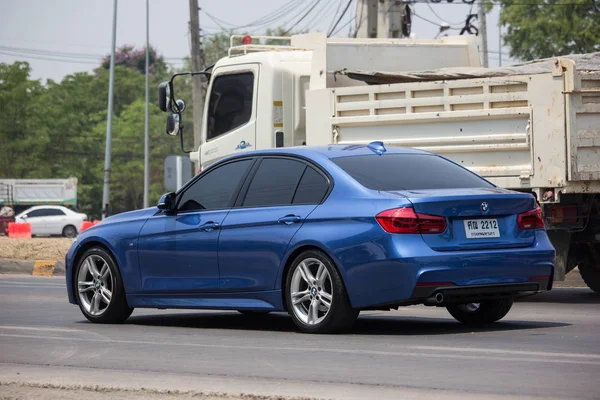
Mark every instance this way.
x=439 y=298
x=435 y=300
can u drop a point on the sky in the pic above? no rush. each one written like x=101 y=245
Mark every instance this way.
x=61 y=37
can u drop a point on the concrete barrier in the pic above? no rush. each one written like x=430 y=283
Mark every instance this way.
x=32 y=267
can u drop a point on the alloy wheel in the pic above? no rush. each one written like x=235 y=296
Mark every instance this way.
x=311 y=291
x=95 y=285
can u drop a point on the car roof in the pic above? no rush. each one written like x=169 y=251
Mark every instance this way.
x=48 y=206
x=334 y=151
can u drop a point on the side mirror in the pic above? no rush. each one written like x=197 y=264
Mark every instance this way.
x=24 y=216
x=173 y=124
x=164 y=96
x=167 y=202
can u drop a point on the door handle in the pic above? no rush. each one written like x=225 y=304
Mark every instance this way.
x=289 y=219
x=209 y=226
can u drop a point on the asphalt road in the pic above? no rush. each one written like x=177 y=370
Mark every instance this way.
x=546 y=347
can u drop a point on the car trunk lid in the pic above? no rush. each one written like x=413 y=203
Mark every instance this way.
x=476 y=218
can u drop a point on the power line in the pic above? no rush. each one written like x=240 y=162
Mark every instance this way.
x=430 y=21
x=442 y=19
x=340 y=18
x=302 y=18
x=457 y=3
x=262 y=21
x=324 y=13
x=339 y=7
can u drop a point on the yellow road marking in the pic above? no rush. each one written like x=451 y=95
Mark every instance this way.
x=43 y=268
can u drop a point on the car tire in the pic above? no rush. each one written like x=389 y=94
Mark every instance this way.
x=485 y=312
x=69 y=231
x=97 y=275
x=253 y=313
x=323 y=305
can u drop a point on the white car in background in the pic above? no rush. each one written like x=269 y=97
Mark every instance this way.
x=52 y=220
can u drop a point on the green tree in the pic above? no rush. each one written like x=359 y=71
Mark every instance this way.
x=21 y=136
x=129 y=57
x=547 y=28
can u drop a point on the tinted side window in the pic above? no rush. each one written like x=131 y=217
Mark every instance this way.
x=214 y=190
x=409 y=172
x=230 y=104
x=312 y=188
x=37 y=213
x=275 y=183
x=54 y=212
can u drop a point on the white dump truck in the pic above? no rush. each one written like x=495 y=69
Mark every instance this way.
x=24 y=193
x=533 y=127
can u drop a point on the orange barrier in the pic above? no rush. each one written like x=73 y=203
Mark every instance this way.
x=19 y=231
x=88 y=224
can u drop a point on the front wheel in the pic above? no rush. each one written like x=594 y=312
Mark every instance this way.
x=316 y=297
x=485 y=312
x=101 y=296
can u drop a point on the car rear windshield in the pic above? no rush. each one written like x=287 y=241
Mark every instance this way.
x=408 y=172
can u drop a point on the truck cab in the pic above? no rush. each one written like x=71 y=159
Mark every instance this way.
x=244 y=106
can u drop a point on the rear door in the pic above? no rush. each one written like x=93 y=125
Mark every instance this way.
x=56 y=221
x=256 y=234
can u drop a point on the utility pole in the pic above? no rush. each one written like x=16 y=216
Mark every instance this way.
x=197 y=92
x=396 y=10
x=500 y=38
x=147 y=116
x=111 y=84
x=483 y=32
x=372 y=18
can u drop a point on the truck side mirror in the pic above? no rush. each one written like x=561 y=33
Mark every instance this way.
x=164 y=96
x=173 y=124
x=167 y=202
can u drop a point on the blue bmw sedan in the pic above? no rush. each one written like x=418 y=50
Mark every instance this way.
x=321 y=233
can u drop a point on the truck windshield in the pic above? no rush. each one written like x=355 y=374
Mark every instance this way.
x=408 y=172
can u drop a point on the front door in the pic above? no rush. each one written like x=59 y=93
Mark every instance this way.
x=229 y=124
x=178 y=251
x=256 y=233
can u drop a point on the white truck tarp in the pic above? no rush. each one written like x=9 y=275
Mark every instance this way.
x=584 y=62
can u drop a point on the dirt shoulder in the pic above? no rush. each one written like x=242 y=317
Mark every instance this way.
x=35 y=248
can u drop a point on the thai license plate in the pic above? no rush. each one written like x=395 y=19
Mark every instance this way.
x=481 y=228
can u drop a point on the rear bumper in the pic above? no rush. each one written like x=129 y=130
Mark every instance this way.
x=444 y=295
x=409 y=272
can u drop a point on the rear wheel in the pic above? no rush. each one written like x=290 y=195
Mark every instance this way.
x=485 y=312
x=101 y=296
x=591 y=275
x=316 y=297
x=69 y=231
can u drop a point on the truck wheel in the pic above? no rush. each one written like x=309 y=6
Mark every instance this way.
x=485 y=312
x=69 y=231
x=591 y=275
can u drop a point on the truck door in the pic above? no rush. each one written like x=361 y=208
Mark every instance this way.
x=229 y=124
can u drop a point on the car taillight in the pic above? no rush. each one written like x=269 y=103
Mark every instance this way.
x=531 y=219
x=405 y=220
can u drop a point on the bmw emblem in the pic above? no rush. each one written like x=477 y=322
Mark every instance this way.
x=485 y=206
